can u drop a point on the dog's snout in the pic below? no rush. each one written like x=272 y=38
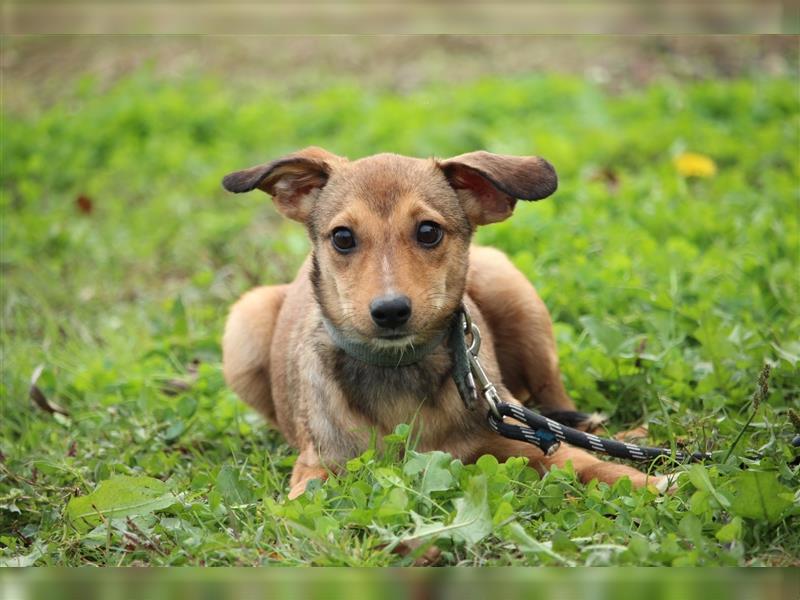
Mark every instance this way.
x=390 y=311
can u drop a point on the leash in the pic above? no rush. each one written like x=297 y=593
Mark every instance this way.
x=538 y=430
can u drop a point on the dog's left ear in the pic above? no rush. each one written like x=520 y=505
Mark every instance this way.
x=293 y=181
x=489 y=184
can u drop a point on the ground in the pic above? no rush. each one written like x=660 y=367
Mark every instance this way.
x=668 y=258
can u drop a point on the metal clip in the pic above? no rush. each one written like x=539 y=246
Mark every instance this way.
x=487 y=387
x=476 y=369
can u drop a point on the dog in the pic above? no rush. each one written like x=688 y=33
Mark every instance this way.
x=358 y=342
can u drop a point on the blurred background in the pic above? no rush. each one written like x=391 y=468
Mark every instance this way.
x=396 y=584
x=391 y=17
x=36 y=69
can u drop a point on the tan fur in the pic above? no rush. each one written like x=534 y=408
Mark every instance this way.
x=279 y=359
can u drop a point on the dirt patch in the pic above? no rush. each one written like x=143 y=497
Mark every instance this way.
x=36 y=69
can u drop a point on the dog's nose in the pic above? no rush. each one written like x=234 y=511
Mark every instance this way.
x=390 y=311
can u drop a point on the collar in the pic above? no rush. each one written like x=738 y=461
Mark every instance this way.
x=384 y=357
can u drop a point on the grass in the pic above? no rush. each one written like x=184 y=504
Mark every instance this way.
x=670 y=292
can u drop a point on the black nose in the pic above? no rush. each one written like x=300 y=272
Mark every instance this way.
x=390 y=311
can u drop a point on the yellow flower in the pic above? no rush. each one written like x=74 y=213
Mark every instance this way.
x=690 y=164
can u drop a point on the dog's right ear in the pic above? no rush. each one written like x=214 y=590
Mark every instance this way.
x=490 y=184
x=293 y=181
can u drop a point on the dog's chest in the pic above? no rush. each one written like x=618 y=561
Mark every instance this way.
x=375 y=390
x=385 y=396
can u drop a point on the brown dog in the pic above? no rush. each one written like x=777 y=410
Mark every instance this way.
x=358 y=341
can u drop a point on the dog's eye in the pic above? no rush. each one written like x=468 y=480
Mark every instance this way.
x=429 y=234
x=343 y=239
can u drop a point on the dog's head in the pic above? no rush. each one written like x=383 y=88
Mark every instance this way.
x=391 y=234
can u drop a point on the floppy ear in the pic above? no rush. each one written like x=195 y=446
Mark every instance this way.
x=293 y=181
x=490 y=184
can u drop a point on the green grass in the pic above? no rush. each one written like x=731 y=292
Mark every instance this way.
x=669 y=294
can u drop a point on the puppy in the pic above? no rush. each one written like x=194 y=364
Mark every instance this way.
x=359 y=341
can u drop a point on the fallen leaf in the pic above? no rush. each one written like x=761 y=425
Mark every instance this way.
x=424 y=553
x=38 y=397
x=608 y=176
x=84 y=204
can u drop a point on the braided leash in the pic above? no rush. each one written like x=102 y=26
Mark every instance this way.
x=540 y=431
x=548 y=435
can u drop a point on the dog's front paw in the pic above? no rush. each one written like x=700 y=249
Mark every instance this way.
x=665 y=484
x=299 y=488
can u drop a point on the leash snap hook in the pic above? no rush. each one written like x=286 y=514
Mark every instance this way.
x=477 y=374
x=486 y=386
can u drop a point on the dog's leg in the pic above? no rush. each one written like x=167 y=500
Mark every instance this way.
x=521 y=330
x=587 y=466
x=246 y=346
x=306 y=468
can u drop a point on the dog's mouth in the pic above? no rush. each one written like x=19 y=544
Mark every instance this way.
x=397 y=339
x=387 y=347
x=393 y=339
x=393 y=336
